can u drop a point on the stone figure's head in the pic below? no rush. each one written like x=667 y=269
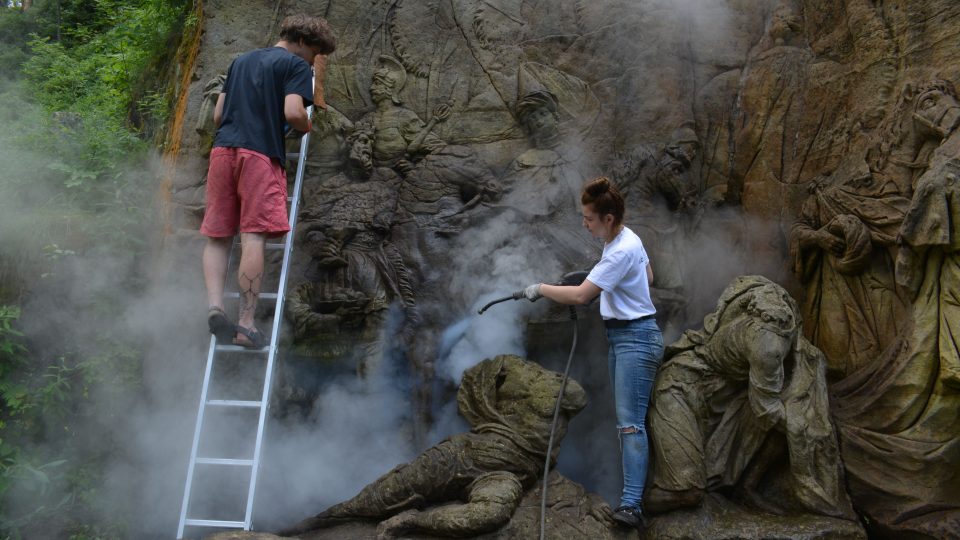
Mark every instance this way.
x=924 y=113
x=518 y=396
x=388 y=80
x=757 y=297
x=935 y=108
x=773 y=309
x=684 y=144
x=785 y=22
x=360 y=141
x=537 y=111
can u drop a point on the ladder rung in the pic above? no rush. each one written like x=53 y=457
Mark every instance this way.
x=234 y=403
x=289 y=199
x=274 y=246
x=241 y=349
x=293 y=155
x=214 y=523
x=224 y=461
x=261 y=296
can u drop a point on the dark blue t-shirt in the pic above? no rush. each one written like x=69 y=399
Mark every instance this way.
x=256 y=85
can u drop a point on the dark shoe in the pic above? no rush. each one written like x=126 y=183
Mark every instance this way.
x=220 y=325
x=630 y=516
x=254 y=339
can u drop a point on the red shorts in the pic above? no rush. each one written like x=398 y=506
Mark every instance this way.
x=245 y=190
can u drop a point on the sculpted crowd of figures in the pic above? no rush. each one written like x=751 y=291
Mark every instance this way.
x=387 y=205
x=831 y=390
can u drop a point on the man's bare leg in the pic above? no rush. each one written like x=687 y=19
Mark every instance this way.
x=215 y=255
x=250 y=276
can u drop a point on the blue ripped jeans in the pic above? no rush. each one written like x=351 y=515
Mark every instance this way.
x=635 y=352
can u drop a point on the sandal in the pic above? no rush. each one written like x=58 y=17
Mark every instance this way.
x=220 y=325
x=255 y=339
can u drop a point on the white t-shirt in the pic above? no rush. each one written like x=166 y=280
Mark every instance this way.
x=621 y=274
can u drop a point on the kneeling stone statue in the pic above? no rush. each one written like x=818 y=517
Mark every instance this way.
x=741 y=399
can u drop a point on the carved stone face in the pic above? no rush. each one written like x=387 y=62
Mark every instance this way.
x=673 y=179
x=540 y=121
x=381 y=88
x=361 y=150
x=783 y=24
x=936 y=113
x=774 y=312
x=684 y=152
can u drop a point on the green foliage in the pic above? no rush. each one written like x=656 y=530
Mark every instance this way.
x=17 y=474
x=11 y=350
x=50 y=475
x=72 y=157
x=89 y=82
x=75 y=187
x=13 y=49
x=98 y=71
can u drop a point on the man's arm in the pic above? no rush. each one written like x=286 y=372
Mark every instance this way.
x=218 y=109
x=649 y=274
x=295 y=113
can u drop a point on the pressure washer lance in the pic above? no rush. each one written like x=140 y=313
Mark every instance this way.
x=571 y=279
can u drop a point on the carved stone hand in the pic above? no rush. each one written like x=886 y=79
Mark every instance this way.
x=830 y=242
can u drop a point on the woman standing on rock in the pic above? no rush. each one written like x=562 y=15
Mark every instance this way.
x=622 y=280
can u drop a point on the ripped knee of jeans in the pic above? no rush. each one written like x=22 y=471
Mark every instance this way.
x=626 y=430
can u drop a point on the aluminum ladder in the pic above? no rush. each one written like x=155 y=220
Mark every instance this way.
x=252 y=465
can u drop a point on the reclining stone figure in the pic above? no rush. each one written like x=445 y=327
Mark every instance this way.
x=509 y=404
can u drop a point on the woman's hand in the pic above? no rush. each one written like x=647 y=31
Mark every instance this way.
x=532 y=293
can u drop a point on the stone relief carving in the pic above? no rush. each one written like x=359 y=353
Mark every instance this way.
x=485 y=56
x=204 y=126
x=730 y=399
x=481 y=474
x=804 y=124
x=897 y=414
x=664 y=204
x=381 y=231
x=356 y=272
x=545 y=179
x=844 y=240
x=329 y=151
x=400 y=135
x=541 y=186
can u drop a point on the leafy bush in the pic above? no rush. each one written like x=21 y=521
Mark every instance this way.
x=75 y=189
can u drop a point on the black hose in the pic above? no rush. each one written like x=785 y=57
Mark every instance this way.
x=497 y=301
x=553 y=426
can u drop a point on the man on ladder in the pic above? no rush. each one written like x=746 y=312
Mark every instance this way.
x=247 y=191
x=246 y=182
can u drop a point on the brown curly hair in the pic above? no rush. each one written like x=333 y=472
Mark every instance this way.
x=314 y=31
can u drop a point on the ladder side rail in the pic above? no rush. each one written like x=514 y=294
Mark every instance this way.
x=277 y=319
x=196 y=436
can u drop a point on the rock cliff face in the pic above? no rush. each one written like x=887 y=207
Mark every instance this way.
x=812 y=141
